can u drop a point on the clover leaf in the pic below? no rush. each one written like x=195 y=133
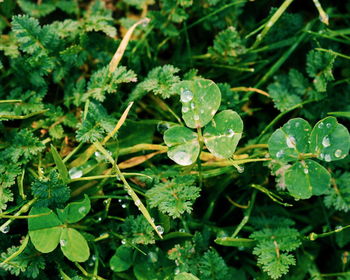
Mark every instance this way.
x=200 y=101
x=47 y=230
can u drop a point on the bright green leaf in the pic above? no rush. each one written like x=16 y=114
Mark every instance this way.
x=200 y=100
x=122 y=259
x=74 y=245
x=221 y=136
x=75 y=211
x=61 y=167
x=183 y=145
x=288 y=142
x=235 y=242
x=330 y=140
x=45 y=230
x=307 y=178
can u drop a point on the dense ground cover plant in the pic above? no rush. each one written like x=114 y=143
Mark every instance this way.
x=174 y=139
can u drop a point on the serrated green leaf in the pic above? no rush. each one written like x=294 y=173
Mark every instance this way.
x=222 y=134
x=307 y=178
x=75 y=211
x=122 y=259
x=200 y=100
x=45 y=230
x=330 y=140
x=288 y=142
x=183 y=145
x=74 y=245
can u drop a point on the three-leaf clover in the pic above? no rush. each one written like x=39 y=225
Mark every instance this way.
x=297 y=144
x=200 y=101
x=46 y=231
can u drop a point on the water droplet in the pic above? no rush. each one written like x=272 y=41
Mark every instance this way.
x=306 y=171
x=327 y=157
x=326 y=142
x=291 y=142
x=129 y=192
x=186 y=96
x=160 y=229
x=338 y=228
x=181 y=230
x=123 y=205
x=63 y=242
x=337 y=153
x=202 y=111
x=182 y=158
x=230 y=132
x=82 y=210
x=123 y=241
x=105 y=202
x=328 y=125
x=321 y=156
x=153 y=257
x=213 y=112
x=185 y=109
x=119 y=200
x=5 y=229
x=321 y=125
x=177 y=270
x=138 y=202
x=279 y=154
x=196 y=117
x=192 y=105
x=75 y=173
x=297 y=124
x=240 y=169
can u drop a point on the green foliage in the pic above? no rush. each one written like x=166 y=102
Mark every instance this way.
x=51 y=191
x=339 y=196
x=96 y=124
x=137 y=230
x=174 y=197
x=295 y=143
x=28 y=263
x=273 y=249
x=47 y=230
x=228 y=131
x=227 y=47
x=319 y=67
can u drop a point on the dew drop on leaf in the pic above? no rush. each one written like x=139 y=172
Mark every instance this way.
x=63 y=242
x=123 y=205
x=337 y=153
x=182 y=158
x=138 y=202
x=327 y=157
x=326 y=142
x=279 y=153
x=82 y=210
x=75 y=173
x=306 y=171
x=230 y=132
x=123 y=241
x=321 y=125
x=192 y=105
x=5 y=229
x=185 y=109
x=196 y=117
x=291 y=142
x=186 y=96
x=328 y=125
x=160 y=229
